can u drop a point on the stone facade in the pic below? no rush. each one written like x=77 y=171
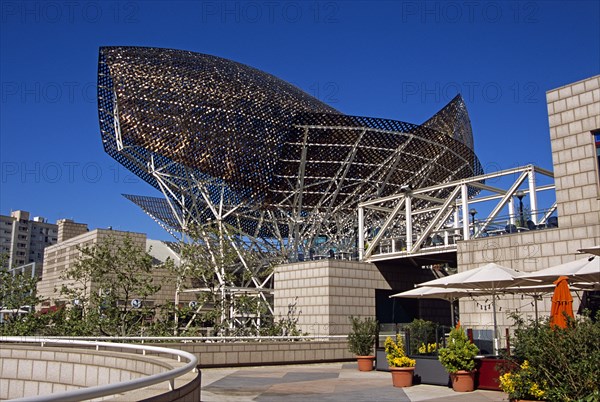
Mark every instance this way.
x=265 y=352
x=68 y=229
x=326 y=293
x=574 y=113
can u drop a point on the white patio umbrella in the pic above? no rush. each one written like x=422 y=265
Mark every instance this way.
x=490 y=279
x=538 y=291
x=426 y=292
x=583 y=270
x=590 y=250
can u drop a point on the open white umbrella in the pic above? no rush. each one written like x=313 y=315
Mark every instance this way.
x=583 y=270
x=590 y=250
x=490 y=279
x=426 y=292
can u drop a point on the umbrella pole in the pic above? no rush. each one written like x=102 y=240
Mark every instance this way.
x=495 y=325
x=452 y=313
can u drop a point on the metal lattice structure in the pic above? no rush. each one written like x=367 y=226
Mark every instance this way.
x=442 y=221
x=227 y=143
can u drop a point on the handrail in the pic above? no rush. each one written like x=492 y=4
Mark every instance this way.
x=188 y=338
x=109 y=389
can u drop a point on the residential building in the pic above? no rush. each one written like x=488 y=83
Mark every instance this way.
x=24 y=239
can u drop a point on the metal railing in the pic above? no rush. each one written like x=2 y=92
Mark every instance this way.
x=433 y=219
x=110 y=389
x=142 y=339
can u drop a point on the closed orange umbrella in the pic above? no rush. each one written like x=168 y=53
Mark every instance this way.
x=562 y=303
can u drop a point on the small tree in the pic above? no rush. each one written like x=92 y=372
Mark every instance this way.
x=18 y=294
x=285 y=326
x=460 y=352
x=362 y=338
x=104 y=283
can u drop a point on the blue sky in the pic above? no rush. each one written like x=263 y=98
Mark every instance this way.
x=402 y=60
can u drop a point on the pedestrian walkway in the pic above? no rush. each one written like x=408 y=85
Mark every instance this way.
x=323 y=382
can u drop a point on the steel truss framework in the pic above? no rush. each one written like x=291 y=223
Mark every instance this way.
x=281 y=172
x=402 y=226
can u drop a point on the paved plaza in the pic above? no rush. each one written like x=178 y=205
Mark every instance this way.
x=322 y=382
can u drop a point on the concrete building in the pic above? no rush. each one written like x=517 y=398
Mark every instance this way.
x=72 y=236
x=574 y=119
x=24 y=239
x=326 y=292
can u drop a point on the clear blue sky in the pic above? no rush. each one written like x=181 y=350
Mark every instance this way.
x=402 y=60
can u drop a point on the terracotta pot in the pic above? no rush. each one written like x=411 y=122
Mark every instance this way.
x=402 y=376
x=463 y=381
x=365 y=363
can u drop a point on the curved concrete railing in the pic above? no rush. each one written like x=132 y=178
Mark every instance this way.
x=115 y=388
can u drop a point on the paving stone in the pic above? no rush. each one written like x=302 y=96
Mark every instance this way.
x=323 y=382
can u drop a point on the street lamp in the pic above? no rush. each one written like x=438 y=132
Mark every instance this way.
x=520 y=194
x=473 y=212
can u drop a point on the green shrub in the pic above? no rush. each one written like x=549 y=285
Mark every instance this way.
x=566 y=361
x=362 y=338
x=460 y=352
x=422 y=337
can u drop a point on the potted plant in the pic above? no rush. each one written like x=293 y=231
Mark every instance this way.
x=520 y=384
x=361 y=341
x=458 y=358
x=402 y=367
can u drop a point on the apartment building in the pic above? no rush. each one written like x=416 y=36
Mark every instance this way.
x=23 y=239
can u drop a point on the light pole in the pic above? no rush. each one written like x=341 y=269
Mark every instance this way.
x=473 y=212
x=520 y=194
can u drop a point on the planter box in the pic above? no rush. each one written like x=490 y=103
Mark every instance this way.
x=487 y=376
x=381 y=363
x=428 y=369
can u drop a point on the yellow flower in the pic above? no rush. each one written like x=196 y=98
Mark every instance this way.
x=536 y=391
x=429 y=348
x=395 y=354
x=520 y=384
x=506 y=383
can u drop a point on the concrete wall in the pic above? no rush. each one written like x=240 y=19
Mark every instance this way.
x=68 y=229
x=266 y=353
x=574 y=112
x=326 y=292
x=27 y=370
